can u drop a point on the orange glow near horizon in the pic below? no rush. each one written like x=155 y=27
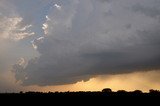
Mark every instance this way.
x=132 y=81
x=129 y=82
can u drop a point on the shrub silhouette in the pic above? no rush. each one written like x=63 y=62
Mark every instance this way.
x=108 y=90
x=137 y=91
x=21 y=92
x=154 y=91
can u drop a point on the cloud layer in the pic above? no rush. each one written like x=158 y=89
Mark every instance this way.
x=84 y=38
x=13 y=43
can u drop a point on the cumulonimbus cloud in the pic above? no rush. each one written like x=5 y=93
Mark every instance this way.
x=92 y=37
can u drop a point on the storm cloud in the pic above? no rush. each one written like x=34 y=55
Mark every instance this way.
x=85 y=38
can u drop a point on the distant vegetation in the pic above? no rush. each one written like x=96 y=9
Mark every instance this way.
x=104 y=92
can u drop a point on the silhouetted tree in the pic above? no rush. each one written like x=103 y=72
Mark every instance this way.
x=137 y=91
x=154 y=91
x=56 y=92
x=21 y=92
x=108 y=90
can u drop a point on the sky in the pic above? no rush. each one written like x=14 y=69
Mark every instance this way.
x=79 y=45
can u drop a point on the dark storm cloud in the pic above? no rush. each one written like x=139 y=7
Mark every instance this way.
x=105 y=1
x=82 y=42
x=152 y=10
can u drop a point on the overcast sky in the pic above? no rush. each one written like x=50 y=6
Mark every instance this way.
x=60 y=42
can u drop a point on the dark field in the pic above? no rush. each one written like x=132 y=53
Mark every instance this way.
x=81 y=98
